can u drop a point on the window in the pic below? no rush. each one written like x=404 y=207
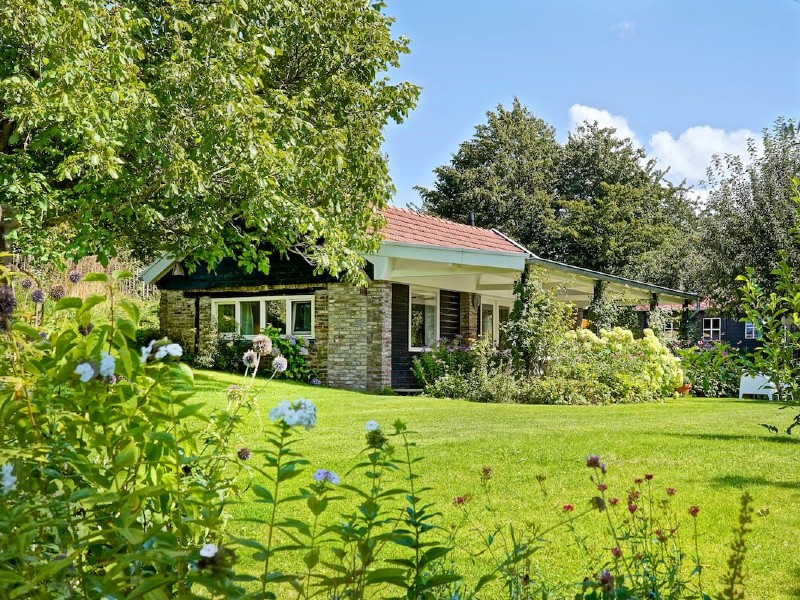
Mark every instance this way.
x=752 y=331
x=249 y=317
x=423 y=318
x=494 y=314
x=712 y=328
x=669 y=328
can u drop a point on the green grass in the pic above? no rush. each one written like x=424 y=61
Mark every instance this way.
x=709 y=450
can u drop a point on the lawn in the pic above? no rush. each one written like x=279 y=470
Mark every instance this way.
x=709 y=450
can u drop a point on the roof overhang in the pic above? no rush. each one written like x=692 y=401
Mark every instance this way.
x=158 y=268
x=576 y=285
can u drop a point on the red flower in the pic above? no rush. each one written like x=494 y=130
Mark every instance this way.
x=602 y=487
x=568 y=508
x=613 y=501
x=460 y=500
x=616 y=551
x=632 y=508
x=648 y=476
x=638 y=481
x=694 y=510
x=671 y=491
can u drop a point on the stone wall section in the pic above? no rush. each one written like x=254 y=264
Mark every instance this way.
x=379 y=335
x=469 y=317
x=177 y=315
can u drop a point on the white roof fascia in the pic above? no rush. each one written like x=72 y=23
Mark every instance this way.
x=457 y=256
x=157 y=269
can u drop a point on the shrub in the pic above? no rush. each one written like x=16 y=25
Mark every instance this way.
x=441 y=361
x=557 y=390
x=226 y=355
x=713 y=369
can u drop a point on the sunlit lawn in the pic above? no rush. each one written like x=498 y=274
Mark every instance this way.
x=709 y=450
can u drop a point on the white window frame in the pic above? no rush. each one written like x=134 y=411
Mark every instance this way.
x=669 y=328
x=755 y=333
x=236 y=301
x=423 y=290
x=709 y=329
x=496 y=303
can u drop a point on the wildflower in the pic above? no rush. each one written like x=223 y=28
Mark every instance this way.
x=234 y=392
x=107 y=364
x=262 y=344
x=613 y=501
x=632 y=508
x=299 y=412
x=85 y=330
x=37 y=295
x=460 y=500
x=372 y=425
x=638 y=481
x=694 y=510
x=606 y=580
x=8 y=301
x=250 y=359
x=74 y=276
x=616 y=551
x=57 y=291
x=169 y=350
x=568 y=508
x=8 y=481
x=593 y=461
x=326 y=475
x=486 y=474
x=602 y=487
x=303 y=351
x=280 y=364
x=26 y=283
x=648 y=476
x=43 y=335
x=244 y=453
x=598 y=503
x=662 y=537
x=315 y=381
x=671 y=491
x=209 y=550
x=84 y=371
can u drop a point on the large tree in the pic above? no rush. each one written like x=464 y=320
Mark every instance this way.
x=595 y=201
x=750 y=213
x=504 y=175
x=214 y=128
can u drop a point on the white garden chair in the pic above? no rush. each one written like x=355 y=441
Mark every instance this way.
x=757 y=385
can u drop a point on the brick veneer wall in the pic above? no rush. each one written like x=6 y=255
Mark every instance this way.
x=469 y=317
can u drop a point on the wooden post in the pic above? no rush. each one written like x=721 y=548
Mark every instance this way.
x=684 y=332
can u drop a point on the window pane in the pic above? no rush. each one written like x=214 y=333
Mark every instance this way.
x=423 y=319
x=250 y=316
x=276 y=314
x=301 y=317
x=487 y=320
x=226 y=318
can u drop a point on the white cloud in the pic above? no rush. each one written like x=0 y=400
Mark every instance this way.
x=690 y=154
x=625 y=28
x=578 y=113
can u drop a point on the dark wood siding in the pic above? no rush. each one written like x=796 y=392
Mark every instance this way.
x=449 y=315
x=402 y=375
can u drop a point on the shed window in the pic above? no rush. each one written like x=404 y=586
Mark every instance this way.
x=712 y=328
x=248 y=317
x=752 y=331
x=423 y=318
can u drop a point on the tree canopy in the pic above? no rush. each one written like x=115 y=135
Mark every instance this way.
x=213 y=128
x=596 y=201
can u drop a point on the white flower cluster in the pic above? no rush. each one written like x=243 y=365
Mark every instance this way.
x=86 y=371
x=300 y=412
x=371 y=425
x=8 y=481
x=209 y=550
x=162 y=351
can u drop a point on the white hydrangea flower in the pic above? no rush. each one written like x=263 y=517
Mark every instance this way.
x=84 y=371
x=8 y=481
x=301 y=412
x=146 y=350
x=372 y=425
x=209 y=550
x=107 y=364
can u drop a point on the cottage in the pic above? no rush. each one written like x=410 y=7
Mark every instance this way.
x=431 y=279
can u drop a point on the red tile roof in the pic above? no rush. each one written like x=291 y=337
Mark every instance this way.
x=408 y=227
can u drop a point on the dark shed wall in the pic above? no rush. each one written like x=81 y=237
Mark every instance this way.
x=402 y=375
x=449 y=315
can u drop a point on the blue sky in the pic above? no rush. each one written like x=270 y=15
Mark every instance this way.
x=685 y=78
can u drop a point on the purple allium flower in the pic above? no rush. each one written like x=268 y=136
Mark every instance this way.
x=315 y=381
x=250 y=359
x=57 y=291
x=85 y=330
x=43 y=335
x=27 y=283
x=280 y=364
x=593 y=461
x=8 y=301
x=326 y=475
x=37 y=295
x=74 y=276
x=244 y=453
x=262 y=344
x=606 y=580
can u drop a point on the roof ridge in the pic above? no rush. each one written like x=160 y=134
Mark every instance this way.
x=437 y=218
